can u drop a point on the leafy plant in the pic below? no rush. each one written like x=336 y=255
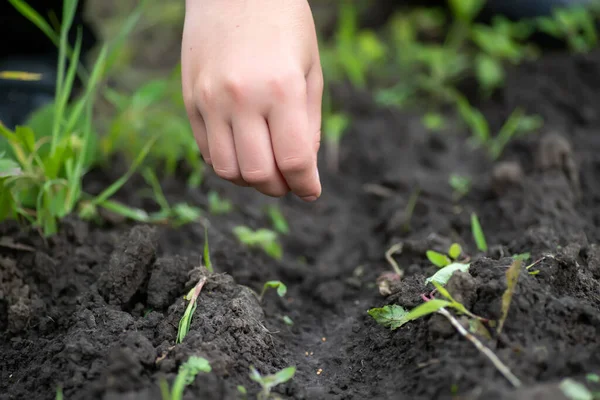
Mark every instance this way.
x=443 y=275
x=441 y=260
x=265 y=239
x=186 y=320
x=186 y=375
x=51 y=166
x=574 y=24
x=217 y=204
x=279 y=286
x=478 y=233
x=268 y=382
x=278 y=220
x=460 y=185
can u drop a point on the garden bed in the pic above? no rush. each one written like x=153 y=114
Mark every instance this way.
x=96 y=309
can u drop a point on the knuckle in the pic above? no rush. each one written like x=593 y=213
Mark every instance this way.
x=293 y=165
x=287 y=85
x=203 y=94
x=236 y=88
x=255 y=176
x=227 y=173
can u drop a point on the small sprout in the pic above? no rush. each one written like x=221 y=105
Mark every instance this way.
x=207 y=261
x=394 y=316
x=280 y=286
x=523 y=256
x=186 y=375
x=574 y=390
x=263 y=238
x=59 y=393
x=242 y=390
x=512 y=276
x=287 y=320
x=478 y=233
x=186 y=320
x=218 y=205
x=460 y=184
x=595 y=378
x=184 y=214
x=455 y=251
x=438 y=259
x=270 y=381
x=433 y=121
x=444 y=274
x=278 y=220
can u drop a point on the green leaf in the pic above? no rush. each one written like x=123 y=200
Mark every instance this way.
x=278 y=220
x=489 y=71
x=512 y=276
x=334 y=127
x=575 y=390
x=438 y=259
x=218 y=205
x=455 y=251
x=394 y=316
x=522 y=256
x=390 y=316
x=207 y=261
x=443 y=275
x=478 y=233
x=280 y=286
x=593 y=378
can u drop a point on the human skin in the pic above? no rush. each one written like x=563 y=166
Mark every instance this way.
x=252 y=85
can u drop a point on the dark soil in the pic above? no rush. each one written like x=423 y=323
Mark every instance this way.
x=96 y=309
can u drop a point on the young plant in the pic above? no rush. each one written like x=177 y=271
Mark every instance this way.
x=478 y=233
x=334 y=127
x=268 y=382
x=265 y=239
x=278 y=220
x=460 y=185
x=441 y=260
x=186 y=320
x=574 y=24
x=206 y=254
x=54 y=157
x=186 y=375
x=279 y=286
x=218 y=205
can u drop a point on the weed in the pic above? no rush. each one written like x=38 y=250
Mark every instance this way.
x=441 y=260
x=574 y=24
x=461 y=185
x=478 y=233
x=278 y=220
x=206 y=253
x=265 y=239
x=186 y=319
x=279 y=286
x=217 y=204
x=186 y=375
x=268 y=382
x=512 y=275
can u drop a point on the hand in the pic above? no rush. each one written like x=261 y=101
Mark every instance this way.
x=253 y=85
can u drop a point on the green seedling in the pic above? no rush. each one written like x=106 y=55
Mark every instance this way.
x=334 y=127
x=461 y=185
x=57 y=147
x=574 y=390
x=218 y=205
x=517 y=125
x=478 y=235
x=268 y=382
x=443 y=275
x=410 y=208
x=242 y=390
x=179 y=214
x=186 y=320
x=512 y=276
x=287 y=320
x=434 y=122
x=206 y=254
x=59 y=393
x=279 y=286
x=265 y=239
x=278 y=220
x=523 y=256
x=594 y=378
x=185 y=377
x=441 y=260
x=574 y=24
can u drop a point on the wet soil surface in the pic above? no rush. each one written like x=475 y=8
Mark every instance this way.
x=96 y=309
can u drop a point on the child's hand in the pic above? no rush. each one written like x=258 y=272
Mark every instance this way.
x=252 y=85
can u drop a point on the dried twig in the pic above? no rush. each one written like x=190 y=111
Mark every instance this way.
x=388 y=256
x=500 y=366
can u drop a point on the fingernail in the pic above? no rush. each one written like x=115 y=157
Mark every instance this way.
x=309 y=198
